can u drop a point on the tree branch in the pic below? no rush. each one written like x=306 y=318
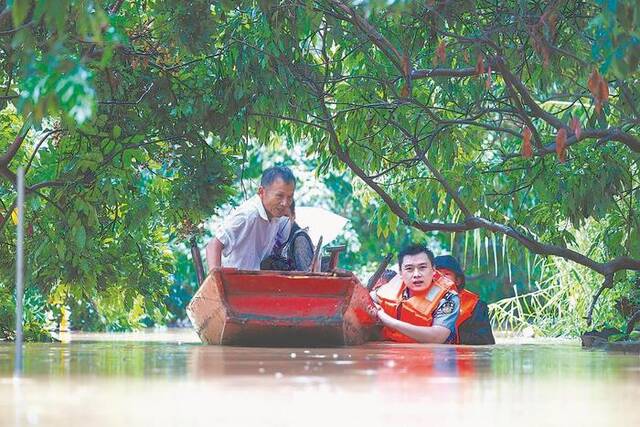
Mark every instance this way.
x=443 y=72
x=471 y=222
x=536 y=110
x=116 y=102
x=611 y=134
x=15 y=30
x=376 y=38
x=632 y=322
x=12 y=150
x=37 y=147
x=607 y=284
x=526 y=109
x=116 y=7
x=5 y=218
x=436 y=173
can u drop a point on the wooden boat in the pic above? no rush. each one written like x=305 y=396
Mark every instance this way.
x=275 y=308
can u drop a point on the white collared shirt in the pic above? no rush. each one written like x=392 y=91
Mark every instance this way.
x=249 y=236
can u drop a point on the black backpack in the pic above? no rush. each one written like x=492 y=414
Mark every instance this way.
x=299 y=250
x=476 y=330
x=295 y=255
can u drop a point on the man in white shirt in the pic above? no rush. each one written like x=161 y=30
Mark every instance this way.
x=251 y=231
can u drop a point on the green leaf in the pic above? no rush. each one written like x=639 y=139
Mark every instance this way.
x=617 y=337
x=79 y=235
x=19 y=11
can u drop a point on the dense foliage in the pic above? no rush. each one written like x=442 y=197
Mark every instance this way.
x=114 y=171
x=506 y=124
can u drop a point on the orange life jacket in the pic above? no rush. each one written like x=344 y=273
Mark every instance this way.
x=468 y=301
x=417 y=310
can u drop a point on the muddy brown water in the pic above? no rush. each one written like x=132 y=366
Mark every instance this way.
x=166 y=378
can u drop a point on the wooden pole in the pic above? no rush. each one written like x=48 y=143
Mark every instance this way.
x=197 y=260
x=381 y=268
x=19 y=271
x=316 y=260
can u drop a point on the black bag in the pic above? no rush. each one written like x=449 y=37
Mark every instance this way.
x=299 y=250
x=476 y=330
x=295 y=255
x=277 y=263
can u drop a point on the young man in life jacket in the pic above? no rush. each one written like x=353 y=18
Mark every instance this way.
x=473 y=325
x=413 y=307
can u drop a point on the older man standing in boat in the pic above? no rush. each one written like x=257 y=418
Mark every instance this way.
x=251 y=231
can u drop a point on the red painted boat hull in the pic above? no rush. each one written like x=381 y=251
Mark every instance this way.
x=270 y=308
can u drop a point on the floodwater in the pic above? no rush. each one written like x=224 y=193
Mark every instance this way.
x=168 y=379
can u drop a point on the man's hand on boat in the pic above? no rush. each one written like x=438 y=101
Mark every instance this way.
x=384 y=318
x=375 y=308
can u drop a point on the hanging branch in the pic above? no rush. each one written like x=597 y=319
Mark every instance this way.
x=12 y=150
x=607 y=284
x=372 y=34
x=632 y=322
x=499 y=65
x=314 y=83
x=116 y=7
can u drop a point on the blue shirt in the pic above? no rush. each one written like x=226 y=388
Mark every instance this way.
x=447 y=313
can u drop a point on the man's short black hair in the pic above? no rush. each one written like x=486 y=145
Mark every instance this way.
x=414 y=249
x=274 y=172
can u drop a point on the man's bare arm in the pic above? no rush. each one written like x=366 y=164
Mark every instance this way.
x=214 y=253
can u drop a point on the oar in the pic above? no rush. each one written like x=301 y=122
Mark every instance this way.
x=315 y=261
x=197 y=260
x=381 y=268
x=334 y=252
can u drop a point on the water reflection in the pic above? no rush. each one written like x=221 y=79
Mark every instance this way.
x=382 y=359
x=170 y=379
x=177 y=357
x=99 y=359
